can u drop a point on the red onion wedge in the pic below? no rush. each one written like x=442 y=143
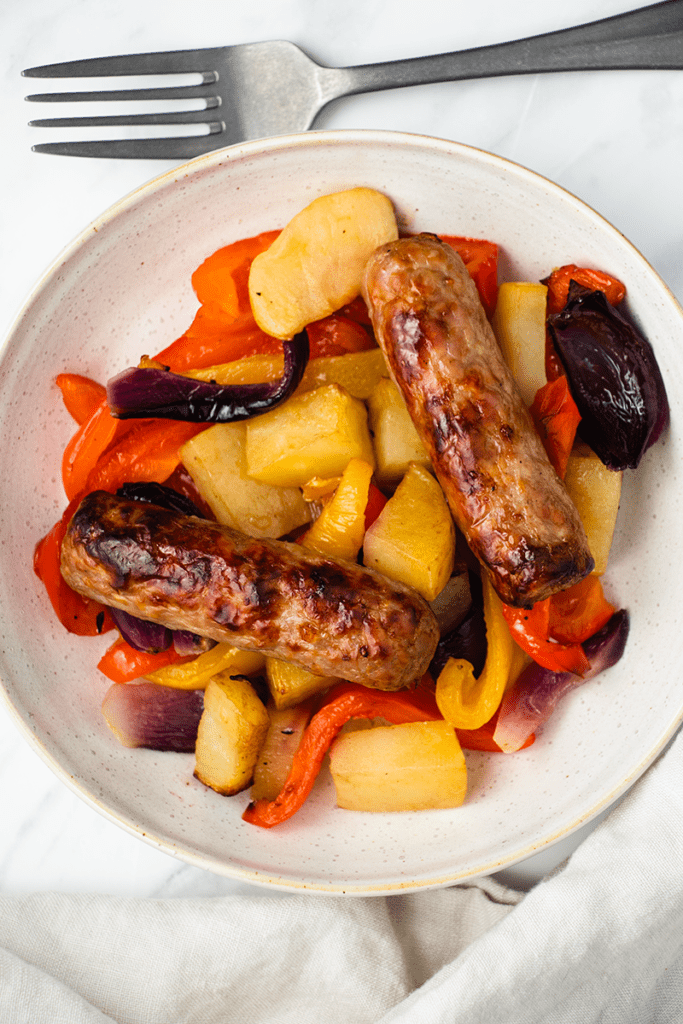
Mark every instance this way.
x=141 y=392
x=149 y=715
x=614 y=378
x=140 y=634
x=528 y=704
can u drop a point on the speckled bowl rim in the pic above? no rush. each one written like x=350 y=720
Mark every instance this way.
x=245 y=151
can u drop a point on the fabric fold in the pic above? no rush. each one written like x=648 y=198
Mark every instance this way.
x=600 y=940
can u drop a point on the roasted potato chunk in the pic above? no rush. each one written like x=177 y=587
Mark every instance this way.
x=316 y=434
x=410 y=767
x=316 y=264
x=216 y=461
x=231 y=732
x=595 y=490
x=395 y=439
x=289 y=684
x=519 y=327
x=413 y=538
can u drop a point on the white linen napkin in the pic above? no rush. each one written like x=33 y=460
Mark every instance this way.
x=601 y=940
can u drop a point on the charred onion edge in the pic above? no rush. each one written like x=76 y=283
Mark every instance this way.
x=590 y=324
x=529 y=703
x=151 y=392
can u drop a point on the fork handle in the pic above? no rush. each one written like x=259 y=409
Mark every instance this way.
x=647 y=38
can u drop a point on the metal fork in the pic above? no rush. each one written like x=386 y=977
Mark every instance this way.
x=255 y=90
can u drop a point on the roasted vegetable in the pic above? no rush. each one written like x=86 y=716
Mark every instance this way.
x=140 y=634
x=414 y=766
x=339 y=529
x=519 y=327
x=122 y=663
x=316 y=264
x=528 y=704
x=556 y=419
x=467 y=640
x=277 y=753
x=346 y=701
x=159 y=494
x=466 y=701
x=559 y=282
x=614 y=377
x=413 y=538
x=358 y=372
x=596 y=491
x=197 y=673
x=231 y=732
x=394 y=437
x=217 y=462
x=315 y=434
x=148 y=391
x=290 y=684
x=145 y=715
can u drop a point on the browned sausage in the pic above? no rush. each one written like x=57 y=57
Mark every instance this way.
x=333 y=618
x=504 y=495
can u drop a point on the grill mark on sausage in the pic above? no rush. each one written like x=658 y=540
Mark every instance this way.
x=334 y=618
x=504 y=495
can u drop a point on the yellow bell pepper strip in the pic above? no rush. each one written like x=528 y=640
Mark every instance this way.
x=345 y=701
x=468 y=702
x=339 y=529
x=195 y=674
x=320 y=488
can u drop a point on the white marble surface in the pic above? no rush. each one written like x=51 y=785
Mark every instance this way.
x=615 y=139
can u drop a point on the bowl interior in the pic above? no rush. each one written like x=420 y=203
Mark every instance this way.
x=123 y=289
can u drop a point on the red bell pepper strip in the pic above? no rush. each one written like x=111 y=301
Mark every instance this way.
x=224 y=328
x=596 y=280
x=77 y=614
x=336 y=335
x=530 y=629
x=346 y=701
x=150 y=451
x=81 y=395
x=376 y=502
x=481 y=259
x=210 y=341
x=578 y=613
x=85 y=447
x=223 y=277
x=558 y=289
x=357 y=310
x=556 y=418
x=122 y=663
x=553 y=631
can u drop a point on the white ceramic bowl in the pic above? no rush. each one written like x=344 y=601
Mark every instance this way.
x=123 y=288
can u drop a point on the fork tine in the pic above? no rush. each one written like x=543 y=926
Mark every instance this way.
x=158 y=63
x=173 y=92
x=135 y=149
x=174 y=117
